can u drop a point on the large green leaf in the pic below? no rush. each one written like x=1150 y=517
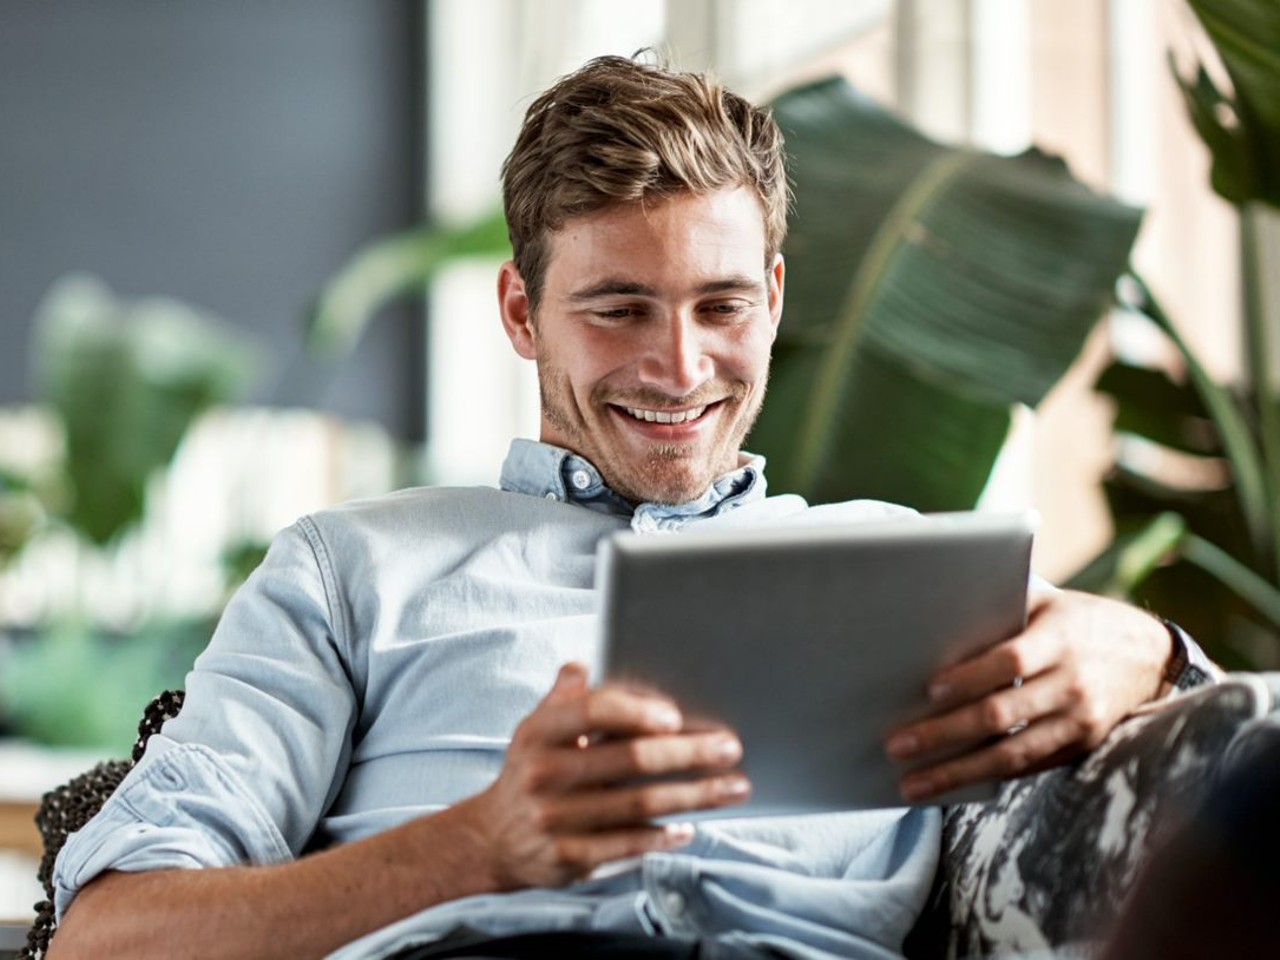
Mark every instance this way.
x=1131 y=557
x=1151 y=405
x=389 y=268
x=127 y=380
x=929 y=288
x=1241 y=128
x=1237 y=437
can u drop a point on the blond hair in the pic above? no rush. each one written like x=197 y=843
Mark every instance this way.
x=619 y=131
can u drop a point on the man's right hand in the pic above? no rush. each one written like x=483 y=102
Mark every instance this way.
x=571 y=796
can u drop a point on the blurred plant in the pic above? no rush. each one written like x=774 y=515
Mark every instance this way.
x=125 y=379
x=392 y=267
x=75 y=684
x=21 y=514
x=929 y=289
x=1207 y=553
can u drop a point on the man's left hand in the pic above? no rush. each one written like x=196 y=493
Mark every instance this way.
x=1056 y=690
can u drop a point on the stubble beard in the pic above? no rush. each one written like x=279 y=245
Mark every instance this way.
x=659 y=477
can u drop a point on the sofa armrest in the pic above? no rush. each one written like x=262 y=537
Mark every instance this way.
x=69 y=807
x=1049 y=861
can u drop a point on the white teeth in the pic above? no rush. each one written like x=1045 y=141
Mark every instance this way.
x=665 y=416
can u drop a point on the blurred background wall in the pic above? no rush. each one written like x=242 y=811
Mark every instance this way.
x=226 y=155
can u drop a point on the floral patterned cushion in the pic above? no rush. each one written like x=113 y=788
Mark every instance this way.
x=1046 y=864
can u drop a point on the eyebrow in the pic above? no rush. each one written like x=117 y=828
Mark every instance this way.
x=627 y=288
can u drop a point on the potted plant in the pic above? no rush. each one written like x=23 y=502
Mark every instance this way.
x=123 y=380
x=1208 y=553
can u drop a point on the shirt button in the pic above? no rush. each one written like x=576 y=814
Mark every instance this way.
x=551 y=495
x=673 y=903
x=581 y=479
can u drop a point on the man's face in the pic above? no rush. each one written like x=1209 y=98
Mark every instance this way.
x=652 y=338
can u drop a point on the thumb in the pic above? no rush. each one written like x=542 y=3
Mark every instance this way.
x=571 y=681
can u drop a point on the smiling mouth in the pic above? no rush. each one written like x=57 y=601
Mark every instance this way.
x=668 y=416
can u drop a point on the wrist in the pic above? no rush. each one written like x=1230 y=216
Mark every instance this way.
x=1179 y=657
x=473 y=845
x=1174 y=662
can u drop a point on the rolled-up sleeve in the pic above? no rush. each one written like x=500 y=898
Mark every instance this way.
x=246 y=771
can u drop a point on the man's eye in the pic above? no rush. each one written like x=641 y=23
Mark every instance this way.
x=616 y=313
x=728 y=309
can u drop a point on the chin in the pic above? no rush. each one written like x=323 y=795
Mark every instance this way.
x=669 y=490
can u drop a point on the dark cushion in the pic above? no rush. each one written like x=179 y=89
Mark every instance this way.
x=1049 y=862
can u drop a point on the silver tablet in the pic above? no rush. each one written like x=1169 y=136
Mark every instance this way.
x=813 y=642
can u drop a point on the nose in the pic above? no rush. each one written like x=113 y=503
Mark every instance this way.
x=676 y=359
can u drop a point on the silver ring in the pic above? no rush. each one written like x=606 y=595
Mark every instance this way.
x=1022 y=724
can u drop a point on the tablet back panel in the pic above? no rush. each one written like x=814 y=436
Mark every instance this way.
x=813 y=642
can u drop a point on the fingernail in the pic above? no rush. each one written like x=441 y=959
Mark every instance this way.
x=571 y=674
x=917 y=788
x=665 y=716
x=678 y=833
x=734 y=787
x=728 y=750
x=939 y=691
x=902 y=745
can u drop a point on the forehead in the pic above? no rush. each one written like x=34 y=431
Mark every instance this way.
x=670 y=240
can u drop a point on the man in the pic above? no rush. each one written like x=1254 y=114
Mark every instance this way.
x=391 y=738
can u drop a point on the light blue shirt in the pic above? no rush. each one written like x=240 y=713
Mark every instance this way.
x=373 y=669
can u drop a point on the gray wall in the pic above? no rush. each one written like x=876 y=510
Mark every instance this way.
x=230 y=154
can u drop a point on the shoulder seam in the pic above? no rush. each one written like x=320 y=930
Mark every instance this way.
x=320 y=552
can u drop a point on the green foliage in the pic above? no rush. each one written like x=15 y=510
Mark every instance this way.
x=1217 y=566
x=241 y=559
x=929 y=289
x=73 y=685
x=1209 y=554
x=127 y=379
x=1241 y=127
x=21 y=514
x=389 y=268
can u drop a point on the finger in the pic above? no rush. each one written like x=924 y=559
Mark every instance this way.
x=994 y=715
x=614 y=760
x=628 y=806
x=608 y=710
x=571 y=681
x=582 y=853
x=1019 y=658
x=1032 y=749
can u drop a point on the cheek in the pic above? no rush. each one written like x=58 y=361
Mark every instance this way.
x=599 y=359
x=749 y=356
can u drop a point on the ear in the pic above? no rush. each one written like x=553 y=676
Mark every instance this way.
x=513 y=302
x=777 y=274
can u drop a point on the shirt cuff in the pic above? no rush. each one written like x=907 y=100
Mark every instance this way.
x=1190 y=666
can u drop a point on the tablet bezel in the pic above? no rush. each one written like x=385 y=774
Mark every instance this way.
x=920 y=592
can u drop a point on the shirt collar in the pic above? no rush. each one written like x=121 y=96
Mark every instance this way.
x=553 y=473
